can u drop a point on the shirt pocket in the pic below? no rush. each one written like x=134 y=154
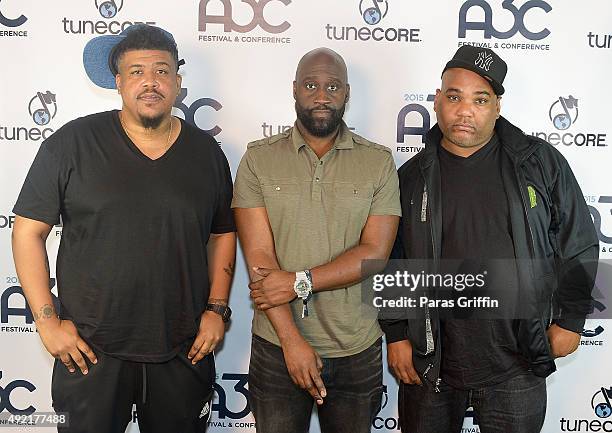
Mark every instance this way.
x=355 y=196
x=350 y=207
x=281 y=199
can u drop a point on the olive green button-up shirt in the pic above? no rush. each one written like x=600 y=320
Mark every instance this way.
x=317 y=208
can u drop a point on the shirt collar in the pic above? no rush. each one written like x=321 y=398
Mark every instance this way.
x=344 y=139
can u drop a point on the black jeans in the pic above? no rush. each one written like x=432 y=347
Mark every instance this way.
x=517 y=405
x=353 y=384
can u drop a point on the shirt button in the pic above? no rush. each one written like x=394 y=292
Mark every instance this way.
x=277 y=188
x=317 y=179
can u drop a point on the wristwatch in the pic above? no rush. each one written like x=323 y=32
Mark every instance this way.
x=303 y=289
x=222 y=310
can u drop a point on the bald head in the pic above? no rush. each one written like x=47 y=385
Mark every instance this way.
x=321 y=92
x=322 y=57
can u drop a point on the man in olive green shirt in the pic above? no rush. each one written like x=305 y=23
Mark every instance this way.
x=310 y=205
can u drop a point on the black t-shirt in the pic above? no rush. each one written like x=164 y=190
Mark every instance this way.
x=476 y=226
x=132 y=267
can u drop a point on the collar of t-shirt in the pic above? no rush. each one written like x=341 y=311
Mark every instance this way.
x=480 y=154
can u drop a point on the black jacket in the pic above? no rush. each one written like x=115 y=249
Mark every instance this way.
x=554 y=241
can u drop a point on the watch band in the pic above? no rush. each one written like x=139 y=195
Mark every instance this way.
x=223 y=310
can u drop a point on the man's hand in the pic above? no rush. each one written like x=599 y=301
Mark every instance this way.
x=562 y=341
x=274 y=289
x=304 y=366
x=62 y=340
x=211 y=332
x=399 y=358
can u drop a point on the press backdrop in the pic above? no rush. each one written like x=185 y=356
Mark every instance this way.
x=240 y=62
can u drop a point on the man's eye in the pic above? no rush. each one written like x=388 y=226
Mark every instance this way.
x=162 y=71
x=136 y=72
x=310 y=86
x=332 y=87
x=482 y=101
x=453 y=98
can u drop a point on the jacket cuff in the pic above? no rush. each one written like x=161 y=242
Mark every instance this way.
x=394 y=330
x=574 y=325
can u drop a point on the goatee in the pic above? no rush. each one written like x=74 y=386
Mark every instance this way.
x=316 y=126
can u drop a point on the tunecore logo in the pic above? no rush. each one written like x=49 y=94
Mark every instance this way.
x=372 y=13
x=42 y=115
x=567 y=112
x=109 y=8
x=563 y=114
x=42 y=108
x=600 y=404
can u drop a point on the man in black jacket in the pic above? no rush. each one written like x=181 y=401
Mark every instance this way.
x=484 y=191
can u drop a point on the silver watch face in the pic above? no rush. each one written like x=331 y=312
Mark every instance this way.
x=302 y=288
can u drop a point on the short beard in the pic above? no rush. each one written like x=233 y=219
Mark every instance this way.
x=151 y=122
x=319 y=127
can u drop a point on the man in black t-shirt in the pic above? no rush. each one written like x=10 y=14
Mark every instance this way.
x=487 y=195
x=147 y=251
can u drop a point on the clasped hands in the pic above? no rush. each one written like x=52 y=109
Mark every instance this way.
x=273 y=289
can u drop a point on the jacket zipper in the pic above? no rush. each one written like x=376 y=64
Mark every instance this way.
x=531 y=245
x=428 y=331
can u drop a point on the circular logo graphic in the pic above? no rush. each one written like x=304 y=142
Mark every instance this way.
x=41 y=117
x=108 y=8
x=603 y=410
x=562 y=121
x=373 y=14
x=563 y=112
x=46 y=103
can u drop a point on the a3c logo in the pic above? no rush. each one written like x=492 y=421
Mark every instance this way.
x=567 y=112
x=403 y=130
x=597 y=218
x=487 y=25
x=5 y=397
x=108 y=8
x=6 y=311
x=189 y=111
x=42 y=115
x=221 y=406
x=230 y=25
x=374 y=14
x=15 y=22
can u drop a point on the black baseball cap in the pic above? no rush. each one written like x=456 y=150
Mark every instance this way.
x=482 y=61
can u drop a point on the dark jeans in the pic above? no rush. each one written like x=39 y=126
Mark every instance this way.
x=517 y=405
x=353 y=383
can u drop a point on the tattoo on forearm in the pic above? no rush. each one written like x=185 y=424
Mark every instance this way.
x=230 y=269
x=47 y=311
x=217 y=301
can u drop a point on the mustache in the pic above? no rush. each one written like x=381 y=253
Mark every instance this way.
x=322 y=107
x=151 y=92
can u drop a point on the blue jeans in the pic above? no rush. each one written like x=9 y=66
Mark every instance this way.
x=517 y=405
x=353 y=383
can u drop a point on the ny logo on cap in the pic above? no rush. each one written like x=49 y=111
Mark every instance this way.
x=484 y=60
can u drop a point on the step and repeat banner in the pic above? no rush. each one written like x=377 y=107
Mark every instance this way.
x=237 y=84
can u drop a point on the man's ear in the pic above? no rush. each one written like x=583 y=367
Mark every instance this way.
x=436 y=98
x=294 y=90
